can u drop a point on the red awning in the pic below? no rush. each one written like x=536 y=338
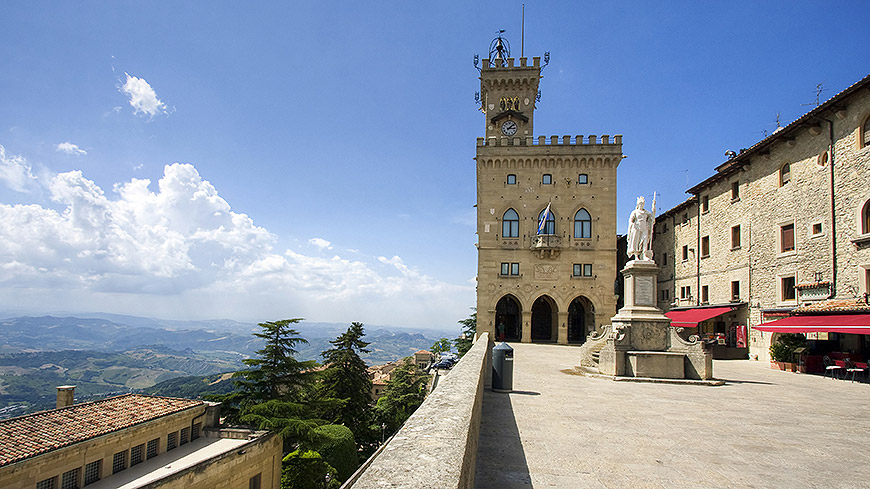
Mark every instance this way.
x=833 y=323
x=690 y=318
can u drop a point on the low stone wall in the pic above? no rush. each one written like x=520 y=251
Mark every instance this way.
x=437 y=445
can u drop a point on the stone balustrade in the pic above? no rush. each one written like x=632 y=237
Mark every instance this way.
x=437 y=445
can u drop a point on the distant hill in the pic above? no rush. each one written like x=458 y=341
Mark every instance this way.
x=114 y=354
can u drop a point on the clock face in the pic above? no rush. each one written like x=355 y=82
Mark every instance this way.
x=509 y=128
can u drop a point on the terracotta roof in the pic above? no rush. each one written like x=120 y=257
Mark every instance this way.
x=835 y=306
x=33 y=434
x=423 y=352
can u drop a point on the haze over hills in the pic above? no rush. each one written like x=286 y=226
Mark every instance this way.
x=106 y=353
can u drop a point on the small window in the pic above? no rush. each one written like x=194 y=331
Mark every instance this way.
x=119 y=462
x=665 y=227
x=865 y=133
x=510 y=224
x=194 y=433
x=582 y=269
x=735 y=190
x=92 y=471
x=510 y=269
x=735 y=237
x=171 y=441
x=505 y=268
x=583 y=179
x=735 y=291
x=705 y=247
x=582 y=224
x=685 y=252
x=685 y=219
x=70 y=479
x=865 y=218
x=786 y=234
x=185 y=435
x=50 y=483
x=153 y=447
x=547 y=179
x=664 y=259
x=136 y=454
x=705 y=294
x=686 y=292
x=705 y=203
x=254 y=482
x=784 y=174
x=511 y=179
x=817 y=228
x=787 y=290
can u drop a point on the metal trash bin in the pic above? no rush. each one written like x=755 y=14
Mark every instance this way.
x=502 y=368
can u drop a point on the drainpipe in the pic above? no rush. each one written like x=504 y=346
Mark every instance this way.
x=833 y=208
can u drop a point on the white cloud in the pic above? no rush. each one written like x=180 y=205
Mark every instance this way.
x=320 y=243
x=70 y=149
x=143 y=98
x=179 y=250
x=15 y=172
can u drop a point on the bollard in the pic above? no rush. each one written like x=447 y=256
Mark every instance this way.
x=502 y=368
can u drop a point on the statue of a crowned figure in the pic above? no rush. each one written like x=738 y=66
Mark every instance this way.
x=640 y=231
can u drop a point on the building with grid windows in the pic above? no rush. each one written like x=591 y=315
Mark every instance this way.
x=782 y=229
x=134 y=441
x=546 y=215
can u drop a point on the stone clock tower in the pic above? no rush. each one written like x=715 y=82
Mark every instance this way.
x=546 y=215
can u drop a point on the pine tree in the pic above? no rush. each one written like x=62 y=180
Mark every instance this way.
x=466 y=337
x=275 y=374
x=346 y=381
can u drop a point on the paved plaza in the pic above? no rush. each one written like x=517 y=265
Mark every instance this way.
x=763 y=429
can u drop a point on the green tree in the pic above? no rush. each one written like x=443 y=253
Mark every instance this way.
x=336 y=444
x=289 y=420
x=466 y=336
x=405 y=391
x=346 y=380
x=306 y=469
x=441 y=346
x=276 y=374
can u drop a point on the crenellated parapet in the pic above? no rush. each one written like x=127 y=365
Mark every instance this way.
x=579 y=140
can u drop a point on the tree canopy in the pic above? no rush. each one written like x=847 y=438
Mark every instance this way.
x=466 y=336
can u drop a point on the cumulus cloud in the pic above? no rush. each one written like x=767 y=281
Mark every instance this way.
x=70 y=149
x=177 y=249
x=143 y=98
x=320 y=243
x=15 y=172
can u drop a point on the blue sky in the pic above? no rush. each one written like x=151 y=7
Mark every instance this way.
x=315 y=159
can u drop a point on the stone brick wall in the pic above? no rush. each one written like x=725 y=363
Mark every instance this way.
x=437 y=445
x=765 y=204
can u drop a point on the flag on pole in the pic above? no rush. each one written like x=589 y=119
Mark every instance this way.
x=545 y=216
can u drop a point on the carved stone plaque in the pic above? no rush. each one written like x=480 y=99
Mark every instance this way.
x=546 y=272
x=643 y=291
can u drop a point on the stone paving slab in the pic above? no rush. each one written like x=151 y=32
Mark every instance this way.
x=763 y=429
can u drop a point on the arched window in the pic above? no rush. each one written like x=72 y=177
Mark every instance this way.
x=865 y=133
x=582 y=224
x=550 y=225
x=784 y=174
x=510 y=224
x=865 y=218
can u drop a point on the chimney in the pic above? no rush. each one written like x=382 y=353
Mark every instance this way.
x=65 y=395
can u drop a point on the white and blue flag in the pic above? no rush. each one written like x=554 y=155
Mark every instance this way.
x=547 y=215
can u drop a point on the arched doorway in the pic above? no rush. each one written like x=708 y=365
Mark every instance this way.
x=543 y=316
x=508 y=312
x=581 y=319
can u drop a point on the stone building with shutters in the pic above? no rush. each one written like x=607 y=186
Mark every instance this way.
x=783 y=224
x=546 y=215
x=134 y=441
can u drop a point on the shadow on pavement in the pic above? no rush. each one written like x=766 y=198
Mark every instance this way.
x=501 y=461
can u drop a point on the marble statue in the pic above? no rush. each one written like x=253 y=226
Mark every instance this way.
x=640 y=231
